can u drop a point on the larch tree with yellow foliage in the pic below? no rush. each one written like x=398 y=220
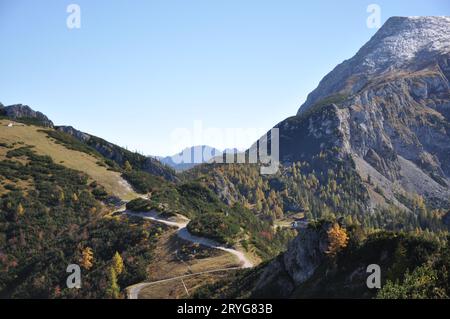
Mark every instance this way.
x=118 y=263
x=127 y=166
x=338 y=239
x=87 y=258
x=20 y=210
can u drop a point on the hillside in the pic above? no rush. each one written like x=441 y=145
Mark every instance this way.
x=52 y=216
x=48 y=173
x=120 y=155
x=93 y=166
x=316 y=266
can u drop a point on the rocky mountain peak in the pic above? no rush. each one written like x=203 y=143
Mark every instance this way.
x=402 y=43
x=21 y=112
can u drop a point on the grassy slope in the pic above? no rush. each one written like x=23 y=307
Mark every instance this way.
x=45 y=227
x=172 y=261
x=30 y=135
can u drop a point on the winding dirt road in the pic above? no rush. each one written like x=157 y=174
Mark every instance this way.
x=183 y=233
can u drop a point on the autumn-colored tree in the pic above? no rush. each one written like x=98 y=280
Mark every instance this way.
x=20 y=210
x=259 y=195
x=118 y=263
x=74 y=197
x=337 y=238
x=57 y=292
x=60 y=194
x=278 y=212
x=127 y=166
x=87 y=258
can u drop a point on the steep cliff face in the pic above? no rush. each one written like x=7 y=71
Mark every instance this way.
x=388 y=109
x=298 y=264
x=400 y=127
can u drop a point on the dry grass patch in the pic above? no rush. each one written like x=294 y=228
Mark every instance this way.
x=42 y=145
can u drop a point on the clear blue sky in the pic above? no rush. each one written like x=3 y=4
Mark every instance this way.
x=137 y=70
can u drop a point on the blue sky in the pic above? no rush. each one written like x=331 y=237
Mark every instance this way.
x=137 y=70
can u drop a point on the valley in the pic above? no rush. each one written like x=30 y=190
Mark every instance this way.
x=363 y=178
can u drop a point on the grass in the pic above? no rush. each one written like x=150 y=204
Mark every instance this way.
x=171 y=262
x=176 y=290
x=33 y=136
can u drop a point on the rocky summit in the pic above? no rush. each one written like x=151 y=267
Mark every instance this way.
x=402 y=44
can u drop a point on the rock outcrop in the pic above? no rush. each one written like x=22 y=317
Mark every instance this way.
x=24 y=112
x=298 y=264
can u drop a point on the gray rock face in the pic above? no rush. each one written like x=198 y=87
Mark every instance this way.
x=403 y=43
x=400 y=123
x=20 y=111
x=298 y=264
x=74 y=132
x=305 y=253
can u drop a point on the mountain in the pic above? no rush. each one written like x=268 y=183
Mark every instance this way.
x=378 y=128
x=108 y=154
x=190 y=157
x=402 y=44
x=374 y=136
x=25 y=113
x=386 y=111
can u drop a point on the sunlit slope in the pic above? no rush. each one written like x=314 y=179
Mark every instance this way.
x=32 y=136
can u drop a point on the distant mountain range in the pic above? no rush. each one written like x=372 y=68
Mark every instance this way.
x=193 y=156
x=190 y=157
